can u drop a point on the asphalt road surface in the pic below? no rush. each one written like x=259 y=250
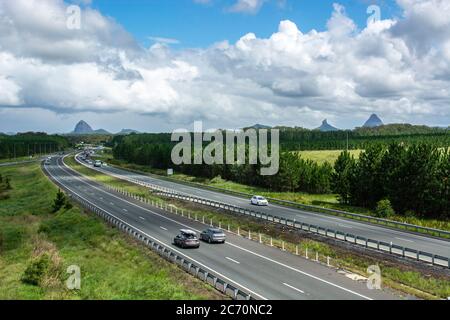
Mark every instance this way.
x=264 y=272
x=414 y=241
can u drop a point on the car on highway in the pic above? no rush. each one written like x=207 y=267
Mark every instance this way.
x=98 y=164
x=47 y=162
x=259 y=201
x=187 y=239
x=213 y=235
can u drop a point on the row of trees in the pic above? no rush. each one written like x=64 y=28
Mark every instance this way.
x=295 y=174
x=415 y=179
x=29 y=144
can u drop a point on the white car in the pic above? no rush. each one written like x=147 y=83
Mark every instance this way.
x=259 y=201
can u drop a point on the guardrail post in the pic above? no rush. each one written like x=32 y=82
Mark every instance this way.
x=317 y=256
x=211 y=222
x=249 y=235
x=271 y=241
x=220 y=224
x=282 y=246
x=328 y=261
x=228 y=227
x=296 y=250
x=260 y=238
x=196 y=217
x=306 y=253
x=239 y=231
x=203 y=219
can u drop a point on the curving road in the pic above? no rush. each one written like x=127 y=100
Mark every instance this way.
x=414 y=241
x=264 y=272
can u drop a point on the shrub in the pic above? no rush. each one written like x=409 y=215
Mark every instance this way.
x=384 y=209
x=36 y=270
x=59 y=202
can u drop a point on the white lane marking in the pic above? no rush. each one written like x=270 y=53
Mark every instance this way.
x=232 y=260
x=300 y=271
x=294 y=288
x=111 y=203
x=168 y=246
x=228 y=243
x=142 y=218
x=125 y=210
x=401 y=239
x=163 y=228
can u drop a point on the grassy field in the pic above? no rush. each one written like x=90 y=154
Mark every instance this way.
x=17 y=159
x=322 y=156
x=112 y=266
x=405 y=280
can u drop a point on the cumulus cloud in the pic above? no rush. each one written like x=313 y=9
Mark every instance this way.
x=293 y=77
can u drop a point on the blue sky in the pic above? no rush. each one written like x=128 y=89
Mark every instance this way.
x=198 y=25
x=52 y=76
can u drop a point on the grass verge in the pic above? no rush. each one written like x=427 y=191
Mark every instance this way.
x=37 y=246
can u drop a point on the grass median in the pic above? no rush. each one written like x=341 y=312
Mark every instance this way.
x=37 y=246
x=404 y=279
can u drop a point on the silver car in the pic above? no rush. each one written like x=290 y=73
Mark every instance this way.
x=213 y=235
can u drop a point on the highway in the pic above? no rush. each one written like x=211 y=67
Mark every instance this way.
x=264 y=272
x=411 y=240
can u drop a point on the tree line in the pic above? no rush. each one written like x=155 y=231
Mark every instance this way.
x=414 y=179
x=30 y=144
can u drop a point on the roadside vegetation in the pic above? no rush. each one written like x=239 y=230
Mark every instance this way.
x=42 y=234
x=396 y=276
x=330 y=201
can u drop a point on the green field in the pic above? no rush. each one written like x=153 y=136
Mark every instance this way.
x=112 y=265
x=322 y=156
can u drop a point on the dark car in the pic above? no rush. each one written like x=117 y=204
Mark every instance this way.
x=187 y=239
x=213 y=235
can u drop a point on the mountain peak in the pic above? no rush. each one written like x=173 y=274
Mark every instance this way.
x=374 y=121
x=83 y=127
x=326 y=127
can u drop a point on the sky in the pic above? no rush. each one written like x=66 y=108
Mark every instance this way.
x=160 y=65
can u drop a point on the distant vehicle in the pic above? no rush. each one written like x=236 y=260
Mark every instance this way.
x=213 y=235
x=104 y=164
x=259 y=201
x=187 y=239
x=98 y=164
x=89 y=161
x=47 y=162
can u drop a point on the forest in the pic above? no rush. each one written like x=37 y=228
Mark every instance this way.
x=30 y=144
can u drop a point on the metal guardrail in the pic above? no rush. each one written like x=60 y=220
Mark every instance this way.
x=168 y=254
x=390 y=248
x=355 y=216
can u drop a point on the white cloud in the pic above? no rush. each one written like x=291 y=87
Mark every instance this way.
x=293 y=77
x=247 y=6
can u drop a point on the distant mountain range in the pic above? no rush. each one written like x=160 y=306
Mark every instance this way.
x=83 y=128
x=373 y=122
